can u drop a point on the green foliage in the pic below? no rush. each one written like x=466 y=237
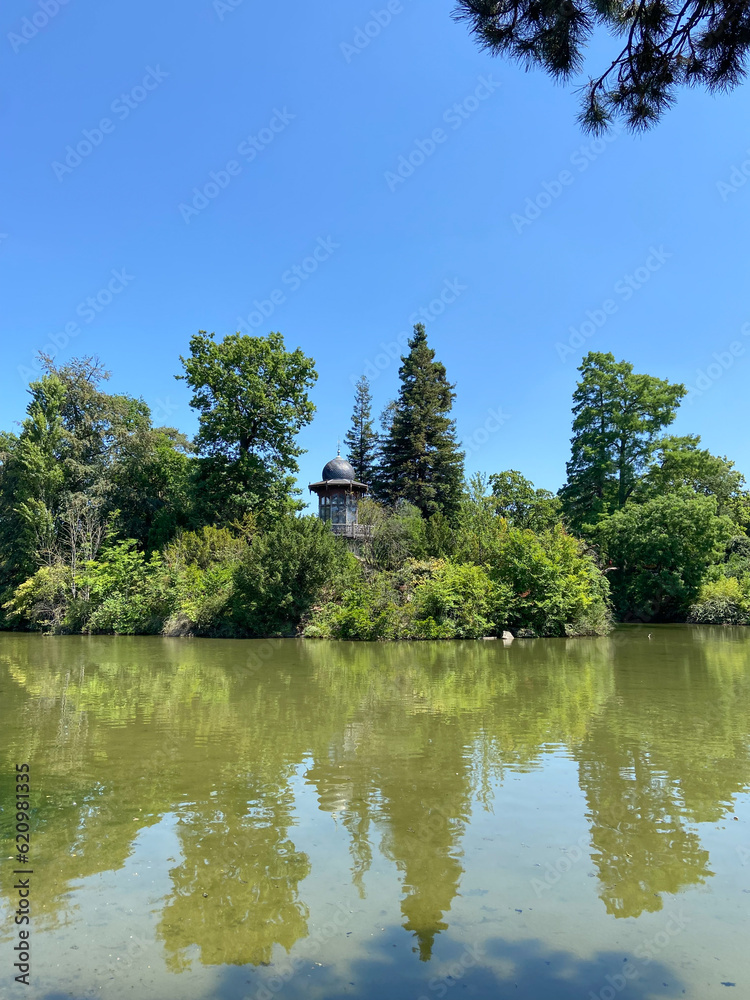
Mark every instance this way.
x=722 y=602
x=123 y=591
x=84 y=460
x=151 y=486
x=443 y=599
x=460 y=601
x=679 y=463
x=251 y=395
x=618 y=415
x=660 y=552
x=364 y=614
x=421 y=461
x=284 y=572
x=199 y=568
x=556 y=588
x=737 y=557
x=361 y=440
x=397 y=534
x=42 y=601
x=521 y=504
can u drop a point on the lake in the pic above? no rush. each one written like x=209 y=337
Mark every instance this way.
x=550 y=819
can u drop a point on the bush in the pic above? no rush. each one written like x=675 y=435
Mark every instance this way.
x=124 y=593
x=41 y=602
x=458 y=601
x=284 y=573
x=553 y=587
x=724 y=601
x=363 y=615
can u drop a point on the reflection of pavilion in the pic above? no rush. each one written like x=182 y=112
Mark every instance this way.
x=339 y=494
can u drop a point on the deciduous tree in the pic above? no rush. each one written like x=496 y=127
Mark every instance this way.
x=251 y=395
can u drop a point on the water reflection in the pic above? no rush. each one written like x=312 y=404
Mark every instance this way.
x=403 y=744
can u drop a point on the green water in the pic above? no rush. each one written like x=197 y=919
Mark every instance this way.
x=550 y=819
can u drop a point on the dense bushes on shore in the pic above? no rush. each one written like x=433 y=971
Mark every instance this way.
x=298 y=578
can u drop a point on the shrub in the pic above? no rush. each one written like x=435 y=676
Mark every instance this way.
x=725 y=601
x=553 y=587
x=124 y=592
x=460 y=601
x=41 y=602
x=282 y=574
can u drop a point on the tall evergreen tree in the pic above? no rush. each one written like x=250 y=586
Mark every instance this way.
x=361 y=440
x=421 y=460
x=618 y=415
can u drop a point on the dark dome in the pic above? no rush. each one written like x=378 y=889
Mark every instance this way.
x=339 y=468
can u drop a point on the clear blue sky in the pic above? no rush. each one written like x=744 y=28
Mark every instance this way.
x=316 y=128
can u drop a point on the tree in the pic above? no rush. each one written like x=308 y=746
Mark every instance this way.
x=421 y=460
x=522 y=504
x=618 y=415
x=361 y=440
x=32 y=480
x=680 y=462
x=85 y=465
x=152 y=485
x=660 y=552
x=251 y=395
x=665 y=47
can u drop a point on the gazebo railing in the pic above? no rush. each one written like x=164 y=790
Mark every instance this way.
x=352 y=530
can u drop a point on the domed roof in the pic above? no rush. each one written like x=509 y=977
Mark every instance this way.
x=338 y=468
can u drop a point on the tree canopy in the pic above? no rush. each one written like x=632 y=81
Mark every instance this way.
x=660 y=48
x=660 y=552
x=252 y=399
x=618 y=415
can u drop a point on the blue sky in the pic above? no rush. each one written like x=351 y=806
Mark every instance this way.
x=526 y=242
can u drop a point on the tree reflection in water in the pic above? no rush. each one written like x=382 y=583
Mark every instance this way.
x=403 y=743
